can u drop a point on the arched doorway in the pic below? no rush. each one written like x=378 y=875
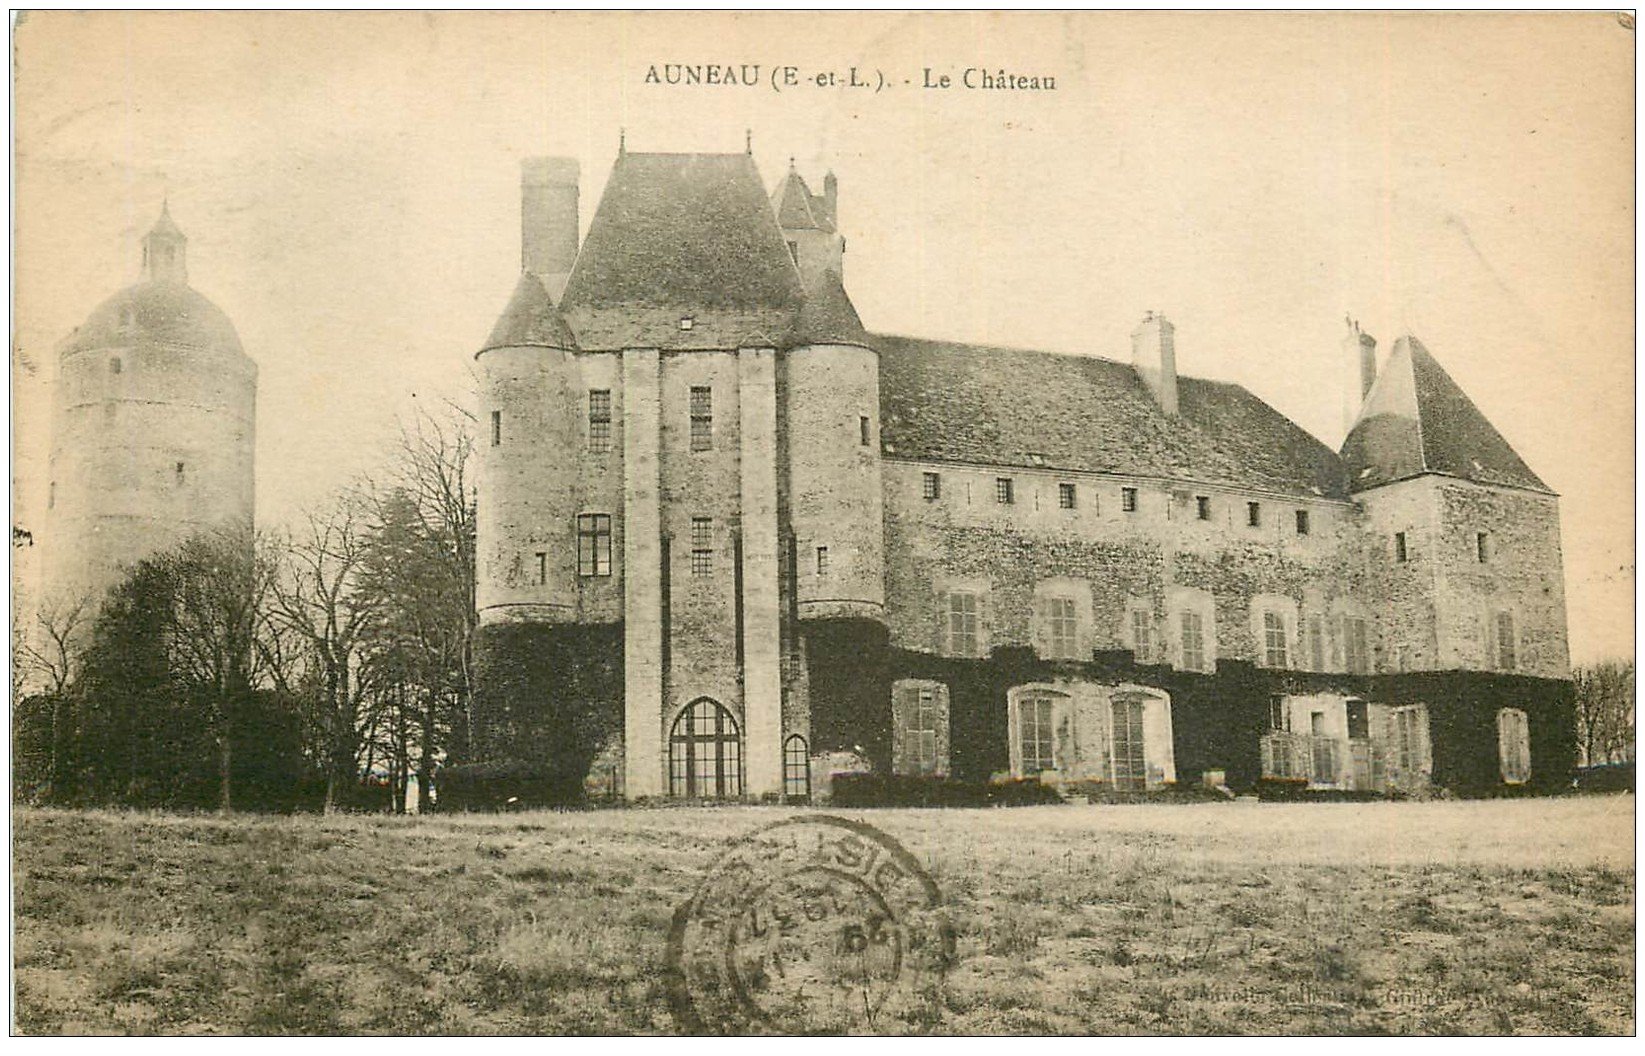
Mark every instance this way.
x=705 y=753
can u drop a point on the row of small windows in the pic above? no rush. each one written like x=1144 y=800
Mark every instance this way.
x=1482 y=547
x=1068 y=499
x=594 y=546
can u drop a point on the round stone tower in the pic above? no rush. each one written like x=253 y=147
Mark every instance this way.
x=154 y=420
x=838 y=520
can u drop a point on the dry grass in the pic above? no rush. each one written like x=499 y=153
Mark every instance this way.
x=1499 y=917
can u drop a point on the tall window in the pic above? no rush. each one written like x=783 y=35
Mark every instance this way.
x=702 y=545
x=963 y=624
x=1130 y=751
x=822 y=561
x=705 y=753
x=180 y=472
x=1067 y=496
x=496 y=428
x=1142 y=636
x=1410 y=739
x=931 y=487
x=114 y=365
x=1274 y=640
x=1316 y=643
x=862 y=426
x=796 y=769
x=1193 y=642
x=1035 y=733
x=1253 y=514
x=1003 y=493
x=1356 y=633
x=1128 y=500
x=1064 y=625
x=1302 y=522
x=1202 y=507
x=919 y=718
x=1506 y=644
x=1482 y=546
x=1400 y=553
x=1513 y=733
x=599 y=421
x=594 y=544
x=542 y=568
x=702 y=417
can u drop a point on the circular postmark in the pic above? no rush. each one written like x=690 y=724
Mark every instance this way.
x=811 y=925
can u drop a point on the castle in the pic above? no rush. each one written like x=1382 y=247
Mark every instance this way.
x=732 y=544
x=153 y=425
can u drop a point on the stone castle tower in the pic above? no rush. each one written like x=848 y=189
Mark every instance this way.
x=153 y=423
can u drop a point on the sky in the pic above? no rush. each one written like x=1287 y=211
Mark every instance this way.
x=349 y=187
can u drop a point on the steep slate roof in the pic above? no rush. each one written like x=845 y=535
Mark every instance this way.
x=678 y=235
x=797 y=208
x=946 y=401
x=1416 y=419
x=530 y=319
x=828 y=315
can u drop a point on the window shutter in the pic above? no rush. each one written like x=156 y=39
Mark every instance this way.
x=940 y=642
x=984 y=623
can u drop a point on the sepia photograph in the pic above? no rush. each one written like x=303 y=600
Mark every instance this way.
x=795 y=523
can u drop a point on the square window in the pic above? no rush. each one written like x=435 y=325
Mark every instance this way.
x=1003 y=491
x=1202 y=507
x=931 y=487
x=702 y=562
x=1253 y=514
x=1128 y=500
x=1302 y=522
x=687 y=322
x=1067 y=496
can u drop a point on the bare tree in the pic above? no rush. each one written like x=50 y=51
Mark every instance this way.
x=52 y=655
x=316 y=597
x=1605 y=712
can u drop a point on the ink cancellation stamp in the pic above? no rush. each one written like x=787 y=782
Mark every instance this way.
x=812 y=925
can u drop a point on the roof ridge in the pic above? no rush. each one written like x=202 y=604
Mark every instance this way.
x=1019 y=350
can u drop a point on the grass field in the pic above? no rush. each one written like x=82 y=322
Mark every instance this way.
x=1490 y=917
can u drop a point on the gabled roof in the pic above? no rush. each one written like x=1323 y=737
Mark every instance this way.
x=678 y=236
x=530 y=319
x=1416 y=420
x=798 y=209
x=1010 y=407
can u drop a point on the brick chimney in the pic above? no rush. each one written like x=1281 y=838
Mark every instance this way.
x=831 y=196
x=1359 y=362
x=548 y=220
x=1154 y=355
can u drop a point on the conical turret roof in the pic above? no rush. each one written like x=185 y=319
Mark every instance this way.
x=828 y=316
x=530 y=319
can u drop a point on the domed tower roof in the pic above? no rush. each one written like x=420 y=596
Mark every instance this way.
x=530 y=319
x=162 y=307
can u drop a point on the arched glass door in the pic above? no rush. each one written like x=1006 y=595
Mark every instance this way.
x=705 y=753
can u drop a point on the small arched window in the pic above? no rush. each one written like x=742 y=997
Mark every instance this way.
x=796 y=769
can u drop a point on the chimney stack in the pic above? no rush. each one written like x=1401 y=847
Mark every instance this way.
x=831 y=195
x=1360 y=365
x=548 y=220
x=1154 y=355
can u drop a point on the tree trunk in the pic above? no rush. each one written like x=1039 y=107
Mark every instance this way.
x=425 y=757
